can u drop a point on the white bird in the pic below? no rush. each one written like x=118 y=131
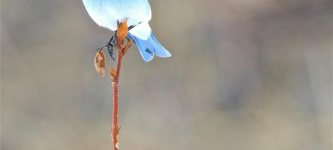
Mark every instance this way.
x=106 y=13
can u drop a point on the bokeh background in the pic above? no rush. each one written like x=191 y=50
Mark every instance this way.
x=244 y=75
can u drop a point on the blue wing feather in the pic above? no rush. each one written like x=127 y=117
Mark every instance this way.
x=149 y=47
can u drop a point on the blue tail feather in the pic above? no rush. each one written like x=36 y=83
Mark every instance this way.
x=149 y=47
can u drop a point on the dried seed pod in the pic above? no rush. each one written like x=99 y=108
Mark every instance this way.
x=100 y=63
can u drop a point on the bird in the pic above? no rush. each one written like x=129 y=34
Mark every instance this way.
x=138 y=13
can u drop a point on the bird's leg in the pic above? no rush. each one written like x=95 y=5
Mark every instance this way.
x=109 y=46
x=130 y=27
x=112 y=43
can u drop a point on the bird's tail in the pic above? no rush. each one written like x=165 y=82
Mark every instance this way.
x=149 y=47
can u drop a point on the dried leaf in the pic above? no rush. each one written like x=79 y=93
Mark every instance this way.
x=113 y=74
x=100 y=63
x=118 y=24
x=127 y=46
x=122 y=30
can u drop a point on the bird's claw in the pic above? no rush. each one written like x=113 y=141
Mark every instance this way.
x=109 y=46
x=110 y=50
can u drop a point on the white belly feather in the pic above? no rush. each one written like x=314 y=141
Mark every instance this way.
x=106 y=13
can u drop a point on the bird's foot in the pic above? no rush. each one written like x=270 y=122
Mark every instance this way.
x=109 y=46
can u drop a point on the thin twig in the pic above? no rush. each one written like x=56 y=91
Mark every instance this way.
x=115 y=129
x=120 y=36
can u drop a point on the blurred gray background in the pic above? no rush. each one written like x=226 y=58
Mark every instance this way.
x=244 y=75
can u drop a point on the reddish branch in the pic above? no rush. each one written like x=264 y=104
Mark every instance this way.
x=114 y=129
x=100 y=64
x=120 y=36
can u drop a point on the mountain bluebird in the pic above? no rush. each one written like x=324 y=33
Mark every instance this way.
x=106 y=13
